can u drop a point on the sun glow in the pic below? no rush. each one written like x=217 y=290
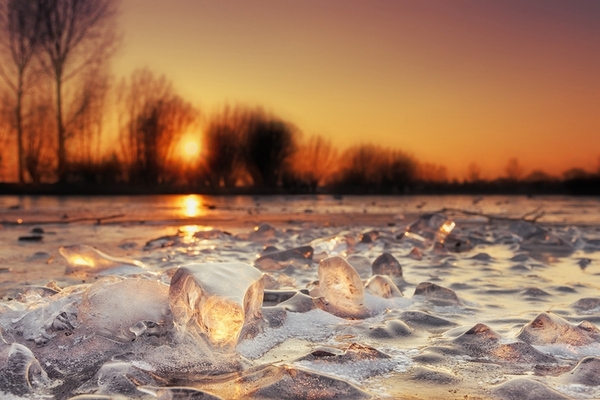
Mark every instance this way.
x=190 y=149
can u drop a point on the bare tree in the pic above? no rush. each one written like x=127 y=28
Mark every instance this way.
x=268 y=145
x=373 y=168
x=85 y=120
x=314 y=161
x=514 y=170
x=77 y=34
x=153 y=122
x=474 y=172
x=223 y=142
x=429 y=172
x=39 y=146
x=19 y=40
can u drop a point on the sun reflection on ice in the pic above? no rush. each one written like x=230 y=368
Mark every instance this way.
x=192 y=205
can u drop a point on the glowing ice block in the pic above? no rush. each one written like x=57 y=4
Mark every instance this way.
x=341 y=288
x=83 y=257
x=222 y=301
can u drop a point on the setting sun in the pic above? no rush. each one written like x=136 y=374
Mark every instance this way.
x=191 y=149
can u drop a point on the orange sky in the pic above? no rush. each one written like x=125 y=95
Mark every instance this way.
x=450 y=81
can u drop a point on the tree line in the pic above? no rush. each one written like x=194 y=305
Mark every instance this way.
x=65 y=118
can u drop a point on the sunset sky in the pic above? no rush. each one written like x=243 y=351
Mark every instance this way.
x=449 y=81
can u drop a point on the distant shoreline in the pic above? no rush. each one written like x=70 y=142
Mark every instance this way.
x=587 y=187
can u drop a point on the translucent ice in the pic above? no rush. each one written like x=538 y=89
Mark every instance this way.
x=124 y=308
x=20 y=371
x=382 y=286
x=281 y=259
x=118 y=378
x=433 y=227
x=341 y=288
x=386 y=264
x=549 y=328
x=221 y=301
x=87 y=258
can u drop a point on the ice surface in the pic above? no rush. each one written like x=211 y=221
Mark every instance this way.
x=221 y=301
x=455 y=337
x=341 y=288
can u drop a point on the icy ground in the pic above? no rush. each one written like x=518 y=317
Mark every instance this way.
x=314 y=298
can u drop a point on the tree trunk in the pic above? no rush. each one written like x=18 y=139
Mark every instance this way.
x=62 y=167
x=19 y=117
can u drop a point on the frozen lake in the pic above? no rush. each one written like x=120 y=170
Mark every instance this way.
x=490 y=297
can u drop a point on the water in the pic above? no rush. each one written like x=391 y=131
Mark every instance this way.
x=488 y=301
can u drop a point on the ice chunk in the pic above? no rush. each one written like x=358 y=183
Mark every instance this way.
x=177 y=392
x=281 y=259
x=432 y=376
x=391 y=328
x=118 y=378
x=274 y=297
x=436 y=294
x=539 y=241
x=356 y=363
x=386 y=264
x=20 y=371
x=297 y=383
x=433 y=227
x=587 y=304
x=482 y=342
x=382 y=286
x=221 y=301
x=39 y=319
x=87 y=258
x=425 y=321
x=341 y=288
x=548 y=328
x=118 y=307
x=300 y=303
x=585 y=372
x=527 y=389
x=361 y=264
x=262 y=233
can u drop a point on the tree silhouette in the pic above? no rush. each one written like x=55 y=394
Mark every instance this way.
x=153 y=123
x=375 y=169
x=268 y=144
x=514 y=170
x=473 y=172
x=20 y=36
x=313 y=162
x=76 y=35
x=223 y=142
